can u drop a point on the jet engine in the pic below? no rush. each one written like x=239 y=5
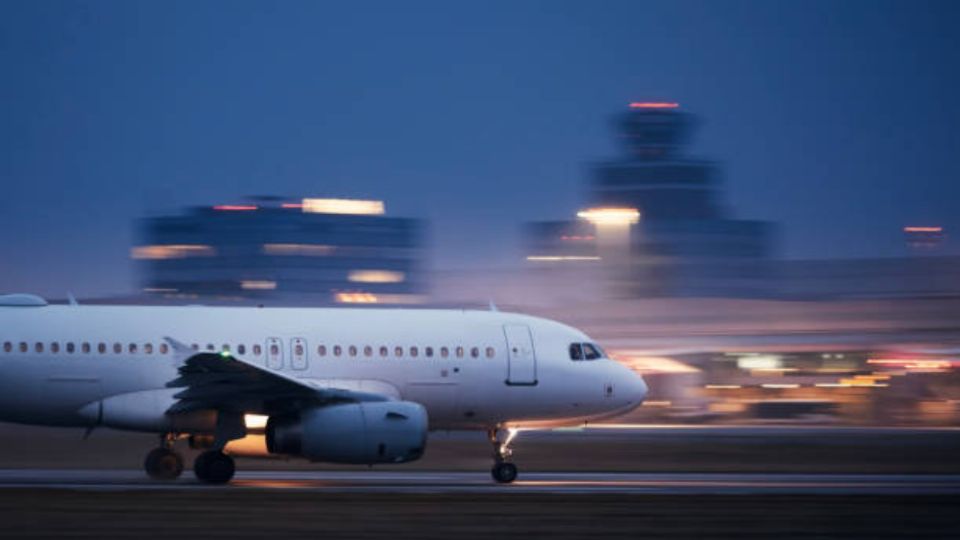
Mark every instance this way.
x=362 y=433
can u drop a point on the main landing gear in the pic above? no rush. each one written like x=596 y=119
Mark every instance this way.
x=503 y=471
x=163 y=463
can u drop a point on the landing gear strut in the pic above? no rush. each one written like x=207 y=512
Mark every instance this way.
x=503 y=471
x=214 y=467
x=163 y=463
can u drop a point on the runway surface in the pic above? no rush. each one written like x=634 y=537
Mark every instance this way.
x=434 y=482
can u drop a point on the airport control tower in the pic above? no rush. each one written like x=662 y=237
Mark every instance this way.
x=685 y=242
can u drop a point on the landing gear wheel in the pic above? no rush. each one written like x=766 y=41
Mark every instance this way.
x=504 y=473
x=163 y=464
x=214 y=467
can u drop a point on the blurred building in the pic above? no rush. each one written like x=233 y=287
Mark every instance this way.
x=684 y=244
x=302 y=251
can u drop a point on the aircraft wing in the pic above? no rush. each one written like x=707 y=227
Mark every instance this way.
x=212 y=380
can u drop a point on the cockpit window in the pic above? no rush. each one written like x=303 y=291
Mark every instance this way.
x=591 y=351
x=576 y=351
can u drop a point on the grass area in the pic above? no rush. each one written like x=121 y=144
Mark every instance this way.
x=262 y=514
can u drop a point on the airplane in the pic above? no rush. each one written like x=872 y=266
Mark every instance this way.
x=336 y=385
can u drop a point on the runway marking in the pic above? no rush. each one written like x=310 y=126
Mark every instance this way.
x=475 y=482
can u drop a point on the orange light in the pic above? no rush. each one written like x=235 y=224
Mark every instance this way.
x=654 y=105
x=923 y=229
x=234 y=207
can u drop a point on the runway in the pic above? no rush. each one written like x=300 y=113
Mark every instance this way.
x=433 y=482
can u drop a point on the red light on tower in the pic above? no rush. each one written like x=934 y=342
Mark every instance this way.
x=654 y=105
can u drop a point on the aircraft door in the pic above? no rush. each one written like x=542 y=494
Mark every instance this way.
x=522 y=359
x=298 y=353
x=274 y=353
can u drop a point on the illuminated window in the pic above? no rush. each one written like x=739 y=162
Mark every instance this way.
x=23 y=346
x=7 y=346
x=117 y=348
x=368 y=351
x=321 y=350
x=54 y=347
x=38 y=347
x=148 y=348
x=398 y=352
x=241 y=349
x=164 y=348
x=444 y=352
x=459 y=352
x=475 y=352
x=257 y=350
x=353 y=350
x=133 y=348
x=337 y=350
x=491 y=352
x=414 y=352
x=384 y=351
x=101 y=348
x=428 y=352
x=85 y=348
x=70 y=348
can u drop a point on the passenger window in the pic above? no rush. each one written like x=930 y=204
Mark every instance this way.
x=428 y=352
x=85 y=348
x=164 y=348
x=475 y=352
x=353 y=350
x=491 y=352
x=368 y=351
x=70 y=348
x=337 y=350
x=38 y=347
x=257 y=350
x=398 y=352
x=414 y=352
x=148 y=348
x=459 y=352
x=576 y=351
x=384 y=351
x=117 y=348
x=55 y=347
x=444 y=352
x=321 y=350
x=591 y=351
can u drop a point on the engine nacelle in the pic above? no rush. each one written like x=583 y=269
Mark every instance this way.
x=363 y=433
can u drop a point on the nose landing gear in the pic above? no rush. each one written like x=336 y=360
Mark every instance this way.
x=163 y=463
x=503 y=471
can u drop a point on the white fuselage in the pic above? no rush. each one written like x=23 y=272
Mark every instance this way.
x=469 y=369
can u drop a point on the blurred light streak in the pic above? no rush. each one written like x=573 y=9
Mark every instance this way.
x=654 y=105
x=610 y=216
x=376 y=276
x=553 y=258
x=235 y=207
x=343 y=206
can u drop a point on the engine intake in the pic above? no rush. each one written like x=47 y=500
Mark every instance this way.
x=360 y=433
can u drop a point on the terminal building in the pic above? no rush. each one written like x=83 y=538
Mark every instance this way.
x=683 y=242
x=290 y=251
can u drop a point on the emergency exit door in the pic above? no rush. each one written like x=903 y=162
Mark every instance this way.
x=521 y=356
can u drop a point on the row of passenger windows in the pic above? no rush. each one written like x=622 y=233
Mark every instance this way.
x=299 y=349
